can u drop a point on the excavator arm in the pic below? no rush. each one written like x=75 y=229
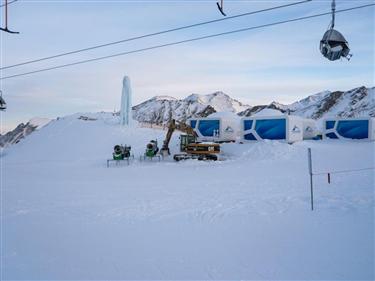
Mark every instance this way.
x=175 y=125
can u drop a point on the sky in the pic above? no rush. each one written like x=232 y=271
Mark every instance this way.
x=280 y=63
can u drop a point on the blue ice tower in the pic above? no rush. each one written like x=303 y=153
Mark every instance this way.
x=126 y=102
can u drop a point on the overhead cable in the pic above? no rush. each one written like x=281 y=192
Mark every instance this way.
x=185 y=41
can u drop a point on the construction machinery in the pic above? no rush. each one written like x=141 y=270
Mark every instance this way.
x=199 y=151
x=190 y=148
x=121 y=153
x=180 y=126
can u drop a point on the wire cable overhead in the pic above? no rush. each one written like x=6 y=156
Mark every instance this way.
x=186 y=41
x=154 y=34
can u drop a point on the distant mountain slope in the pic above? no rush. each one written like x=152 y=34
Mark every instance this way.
x=356 y=102
x=161 y=108
x=22 y=130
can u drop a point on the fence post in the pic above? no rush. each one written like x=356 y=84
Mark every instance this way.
x=311 y=178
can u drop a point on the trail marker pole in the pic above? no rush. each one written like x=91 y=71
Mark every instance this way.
x=311 y=178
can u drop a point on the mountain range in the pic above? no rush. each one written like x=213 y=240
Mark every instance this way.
x=353 y=103
x=357 y=102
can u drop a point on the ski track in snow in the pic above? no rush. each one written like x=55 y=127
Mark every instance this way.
x=67 y=216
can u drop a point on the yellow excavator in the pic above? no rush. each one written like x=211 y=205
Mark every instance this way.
x=190 y=148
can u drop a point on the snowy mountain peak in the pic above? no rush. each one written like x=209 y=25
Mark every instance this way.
x=160 y=109
x=163 y=98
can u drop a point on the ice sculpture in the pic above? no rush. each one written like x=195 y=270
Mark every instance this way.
x=126 y=108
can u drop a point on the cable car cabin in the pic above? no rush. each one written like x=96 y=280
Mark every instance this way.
x=3 y=104
x=334 y=46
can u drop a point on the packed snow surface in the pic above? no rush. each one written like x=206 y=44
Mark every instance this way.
x=65 y=215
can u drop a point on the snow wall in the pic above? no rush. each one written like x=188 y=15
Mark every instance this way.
x=349 y=128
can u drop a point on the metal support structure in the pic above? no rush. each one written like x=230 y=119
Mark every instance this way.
x=144 y=157
x=5 y=29
x=333 y=6
x=118 y=162
x=311 y=178
x=221 y=7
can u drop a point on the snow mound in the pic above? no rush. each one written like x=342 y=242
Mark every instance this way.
x=266 y=150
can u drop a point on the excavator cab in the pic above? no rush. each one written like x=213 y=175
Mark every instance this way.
x=185 y=140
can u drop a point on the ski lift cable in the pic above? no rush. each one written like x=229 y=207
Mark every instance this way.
x=11 y=2
x=185 y=41
x=154 y=34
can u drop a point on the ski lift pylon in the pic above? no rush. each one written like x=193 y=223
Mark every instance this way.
x=3 y=104
x=333 y=44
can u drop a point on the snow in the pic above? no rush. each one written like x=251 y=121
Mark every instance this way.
x=39 y=122
x=267 y=112
x=160 y=109
x=225 y=115
x=66 y=216
x=163 y=98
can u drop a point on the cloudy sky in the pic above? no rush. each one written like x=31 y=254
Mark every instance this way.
x=280 y=63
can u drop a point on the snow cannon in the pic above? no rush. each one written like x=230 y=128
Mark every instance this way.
x=121 y=153
x=152 y=148
x=151 y=152
x=117 y=153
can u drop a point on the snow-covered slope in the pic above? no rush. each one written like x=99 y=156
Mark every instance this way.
x=357 y=102
x=66 y=216
x=161 y=108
